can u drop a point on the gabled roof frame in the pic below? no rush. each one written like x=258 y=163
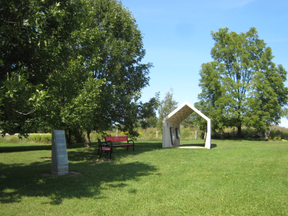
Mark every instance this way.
x=175 y=118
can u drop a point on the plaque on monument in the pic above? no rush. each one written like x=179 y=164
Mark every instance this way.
x=59 y=153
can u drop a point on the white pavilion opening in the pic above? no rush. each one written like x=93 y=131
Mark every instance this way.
x=171 y=127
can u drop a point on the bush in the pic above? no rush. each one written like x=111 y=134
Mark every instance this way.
x=276 y=131
x=37 y=138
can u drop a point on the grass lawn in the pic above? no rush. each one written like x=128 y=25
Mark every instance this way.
x=233 y=178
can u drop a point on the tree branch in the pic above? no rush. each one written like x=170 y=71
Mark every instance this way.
x=7 y=21
x=30 y=112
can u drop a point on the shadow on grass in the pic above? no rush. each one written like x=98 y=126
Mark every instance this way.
x=19 y=147
x=25 y=147
x=27 y=180
x=20 y=180
x=118 y=153
x=121 y=152
x=139 y=147
x=198 y=144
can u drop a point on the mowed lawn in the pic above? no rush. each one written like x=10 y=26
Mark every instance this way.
x=233 y=178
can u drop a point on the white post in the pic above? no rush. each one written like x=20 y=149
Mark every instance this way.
x=195 y=134
x=208 y=136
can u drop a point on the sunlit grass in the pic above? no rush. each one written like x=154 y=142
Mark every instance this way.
x=233 y=178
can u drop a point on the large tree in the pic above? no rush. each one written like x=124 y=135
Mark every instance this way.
x=73 y=91
x=121 y=52
x=31 y=33
x=242 y=86
x=72 y=65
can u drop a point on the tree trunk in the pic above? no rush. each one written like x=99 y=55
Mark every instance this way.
x=87 y=139
x=239 y=133
x=69 y=137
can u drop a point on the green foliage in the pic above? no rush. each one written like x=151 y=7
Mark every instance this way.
x=36 y=37
x=242 y=86
x=72 y=65
x=190 y=121
x=30 y=34
x=121 y=52
x=148 y=118
x=167 y=105
x=279 y=132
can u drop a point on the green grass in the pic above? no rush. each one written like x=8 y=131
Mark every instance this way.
x=233 y=178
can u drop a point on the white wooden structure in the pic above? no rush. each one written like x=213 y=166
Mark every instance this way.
x=171 y=126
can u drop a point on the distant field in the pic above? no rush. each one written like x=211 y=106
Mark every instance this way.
x=149 y=134
x=232 y=178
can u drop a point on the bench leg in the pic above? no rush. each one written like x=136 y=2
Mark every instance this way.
x=100 y=154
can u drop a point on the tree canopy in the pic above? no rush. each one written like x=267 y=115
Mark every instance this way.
x=32 y=37
x=242 y=86
x=71 y=65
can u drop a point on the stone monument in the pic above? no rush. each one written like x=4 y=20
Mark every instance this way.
x=59 y=153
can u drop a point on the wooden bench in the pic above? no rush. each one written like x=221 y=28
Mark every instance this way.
x=120 y=139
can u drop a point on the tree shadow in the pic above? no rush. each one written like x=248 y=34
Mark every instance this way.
x=198 y=145
x=25 y=147
x=34 y=147
x=121 y=152
x=34 y=180
x=118 y=153
x=29 y=180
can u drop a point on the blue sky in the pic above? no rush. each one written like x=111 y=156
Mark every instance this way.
x=177 y=37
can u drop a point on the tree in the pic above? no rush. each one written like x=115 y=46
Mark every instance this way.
x=76 y=66
x=31 y=32
x=73 y=90
x=188 y=122
x=149 y=117
x=109 y=45
x=166 y=107
x=242 y=86
x=121 y=52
